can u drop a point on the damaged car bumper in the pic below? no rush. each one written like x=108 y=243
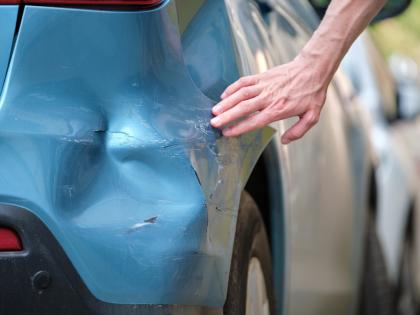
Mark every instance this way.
x=110 y=173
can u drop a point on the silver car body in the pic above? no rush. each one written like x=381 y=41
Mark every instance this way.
x=324 y=176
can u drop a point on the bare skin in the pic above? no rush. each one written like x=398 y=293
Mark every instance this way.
x=298 y=88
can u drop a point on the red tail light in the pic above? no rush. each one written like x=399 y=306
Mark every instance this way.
x=9 y=240
x=145 y=3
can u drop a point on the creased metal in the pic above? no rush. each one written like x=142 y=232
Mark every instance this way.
x=105 y=137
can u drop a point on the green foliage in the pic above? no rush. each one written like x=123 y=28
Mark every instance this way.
x=400 y=34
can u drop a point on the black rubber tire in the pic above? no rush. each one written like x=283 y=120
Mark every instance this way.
x=377 y=296
x=250 y=241
x=407 y=303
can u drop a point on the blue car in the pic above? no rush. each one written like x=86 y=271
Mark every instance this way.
x=117 y=196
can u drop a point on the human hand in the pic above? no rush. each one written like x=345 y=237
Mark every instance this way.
x=297 y=88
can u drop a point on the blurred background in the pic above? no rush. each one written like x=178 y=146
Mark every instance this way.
x=400 y=34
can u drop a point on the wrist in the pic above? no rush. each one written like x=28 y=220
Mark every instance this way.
x=321 y=67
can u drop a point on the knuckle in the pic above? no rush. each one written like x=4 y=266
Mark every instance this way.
x=297 y=134
x=251 y=91
x=230 y=88
x=244 y=93
x=249 y=79
x=314 y=118
x=242 y=80
x=265 y=97
x=265 y=119
x=252 y=79
x=243 y=105
x=249 y=105
x=235 y=86
x=255 y=102
x=260 y=98
x=221 y=109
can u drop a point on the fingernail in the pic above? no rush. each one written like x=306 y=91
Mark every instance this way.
x=223 y=95
x=215 y=121
x=285 y=141
x=215 y=109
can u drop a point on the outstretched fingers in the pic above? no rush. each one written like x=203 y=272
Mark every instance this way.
x=239 y=96
x=253 y=122
x=258 y=120
x=241 y=83
x=241 y=110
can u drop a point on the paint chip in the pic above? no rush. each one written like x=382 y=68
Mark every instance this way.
x=140 y=225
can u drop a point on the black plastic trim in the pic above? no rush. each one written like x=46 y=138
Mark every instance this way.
x=41 y=280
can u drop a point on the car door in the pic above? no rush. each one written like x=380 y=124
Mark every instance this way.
x=324 y=237
x=318 y=184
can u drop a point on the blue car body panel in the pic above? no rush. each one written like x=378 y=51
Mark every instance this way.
x=8 y=16
x=211 y=58
x=105 y=136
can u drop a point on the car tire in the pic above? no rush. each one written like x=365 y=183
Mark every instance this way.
x=376 y=291
x=406 y=298
x=251 y=260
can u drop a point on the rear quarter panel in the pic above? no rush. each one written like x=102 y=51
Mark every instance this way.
x=105 y=136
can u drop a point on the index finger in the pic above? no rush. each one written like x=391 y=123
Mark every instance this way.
x=242 y=82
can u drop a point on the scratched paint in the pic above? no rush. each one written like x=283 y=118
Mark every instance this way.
x=104 y=135
x=140 y=225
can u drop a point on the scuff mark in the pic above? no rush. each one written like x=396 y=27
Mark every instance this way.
x=69 y=190
x=77 y=140
x=151 y=220
x=223 y=210
x=140 y=225
x=192 y=145
x=125 y=138
x=198 y=178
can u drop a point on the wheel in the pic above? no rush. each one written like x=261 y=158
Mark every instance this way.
x=376 y=291
x=406 y=298
x=250 y=290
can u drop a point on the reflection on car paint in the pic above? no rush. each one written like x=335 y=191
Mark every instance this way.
x=8 y=16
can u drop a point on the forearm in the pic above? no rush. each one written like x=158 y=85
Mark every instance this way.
x=342 y=24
